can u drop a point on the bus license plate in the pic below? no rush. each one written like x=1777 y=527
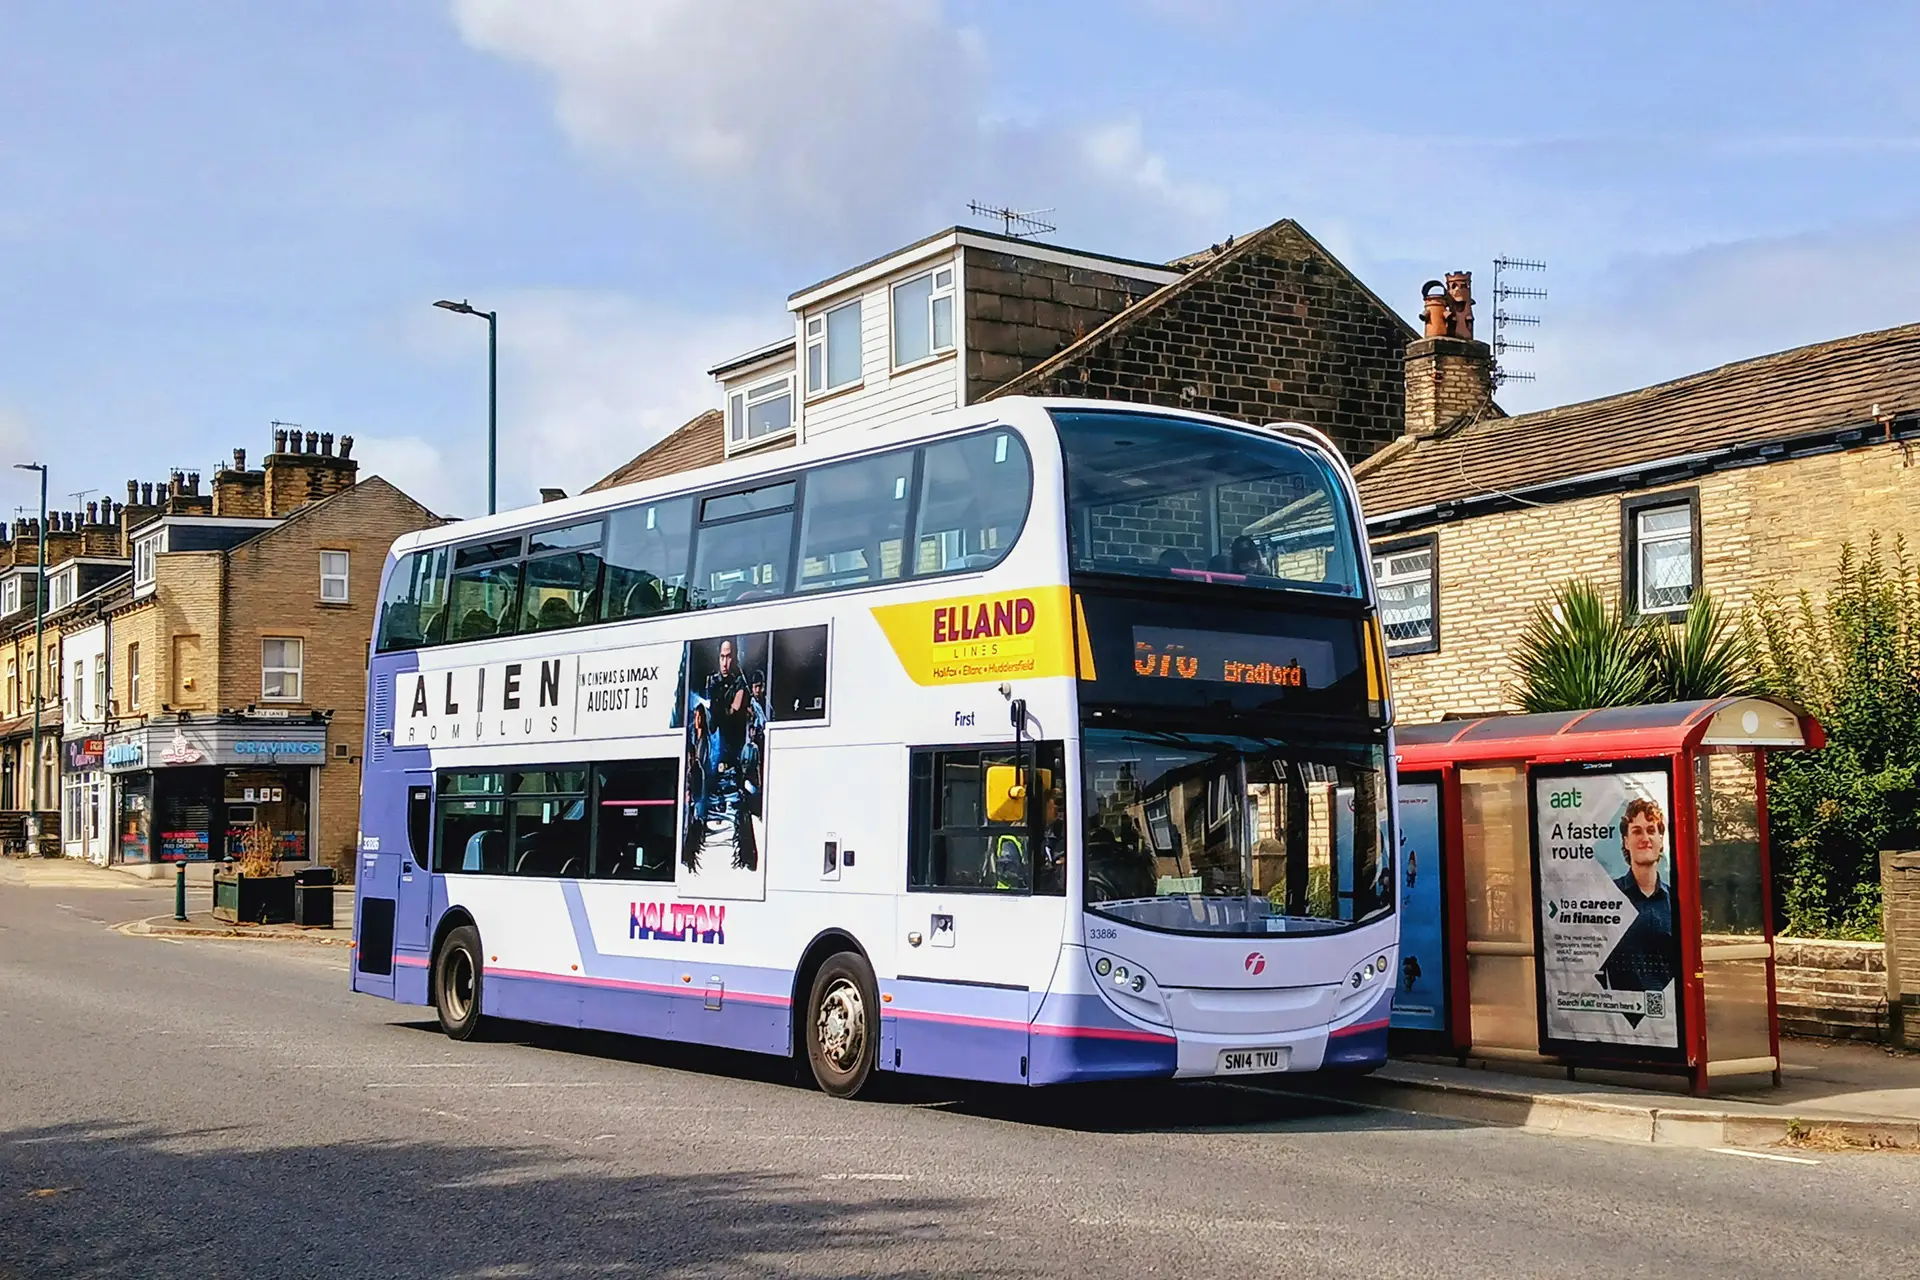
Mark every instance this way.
x=1251 y=1061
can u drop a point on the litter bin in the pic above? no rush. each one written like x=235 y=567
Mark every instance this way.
x=313 y=898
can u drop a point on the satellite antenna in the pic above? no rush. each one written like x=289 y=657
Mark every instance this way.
x=1013 y=222
x=1502 y=318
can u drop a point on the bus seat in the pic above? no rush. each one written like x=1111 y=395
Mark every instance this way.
x=477 y=622
x=485 y=851
x=555 y=612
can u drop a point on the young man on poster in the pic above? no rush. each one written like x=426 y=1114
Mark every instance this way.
x=1643 y=958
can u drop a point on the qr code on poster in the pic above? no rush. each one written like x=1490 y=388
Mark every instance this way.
x=1656 y=1004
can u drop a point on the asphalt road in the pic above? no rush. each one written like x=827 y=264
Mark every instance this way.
x=213 y=1108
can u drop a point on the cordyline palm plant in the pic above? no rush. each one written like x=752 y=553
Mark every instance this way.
x=1579 y=652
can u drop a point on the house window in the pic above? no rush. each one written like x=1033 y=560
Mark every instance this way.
x=1662 y=552
x=280 y=670
x=833 y=348
x=1407 y=577
x=923 y=316
x=760 y=412
x=13 y=687
x=144 y=552
x=100 y=686
x=333 y=577
x=78 y=691
x=133 y=677
x=60 y=592
x=10 y=596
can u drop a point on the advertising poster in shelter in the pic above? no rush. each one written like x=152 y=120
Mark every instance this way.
x=732 y=688
x=1609 y=956
x=1420 y=989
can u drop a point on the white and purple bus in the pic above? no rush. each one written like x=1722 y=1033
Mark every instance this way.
x=1037 y=742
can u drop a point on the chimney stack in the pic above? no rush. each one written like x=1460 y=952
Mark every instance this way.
x=301 y=470
x=1449 y=375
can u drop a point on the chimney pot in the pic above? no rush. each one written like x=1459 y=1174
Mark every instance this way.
x=146 y=495
x=279 y=440
x=133 y=491
x=346 y=446
x=239 y=459
x=313 y=442
x=93 y=513
x=326 y=443
x=193 y=482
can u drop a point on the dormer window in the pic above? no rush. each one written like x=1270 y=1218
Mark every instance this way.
x=144 y=552
x=833 y=348
x=60 y=590
x=923 y=317
x=10 y=595
x=760 y=412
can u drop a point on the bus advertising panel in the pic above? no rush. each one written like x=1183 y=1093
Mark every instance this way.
x=1608 y=954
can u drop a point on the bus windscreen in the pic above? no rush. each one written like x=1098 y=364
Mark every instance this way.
x=1175 y=498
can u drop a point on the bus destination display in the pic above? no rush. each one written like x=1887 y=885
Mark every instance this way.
x=1223 y=657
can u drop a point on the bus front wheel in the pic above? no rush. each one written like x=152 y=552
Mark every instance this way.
x=456 y=983
x=843 y=1025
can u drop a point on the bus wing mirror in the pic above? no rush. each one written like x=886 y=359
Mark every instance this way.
x=1007 y=792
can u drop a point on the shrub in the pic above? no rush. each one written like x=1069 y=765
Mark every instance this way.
x=1578 y=652
x=1854 y=662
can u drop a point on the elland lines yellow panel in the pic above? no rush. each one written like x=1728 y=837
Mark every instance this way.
x=966 y=639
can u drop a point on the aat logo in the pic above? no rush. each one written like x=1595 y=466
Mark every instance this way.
x=1255 y=963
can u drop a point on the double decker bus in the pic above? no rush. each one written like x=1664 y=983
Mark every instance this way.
x=1037 y=742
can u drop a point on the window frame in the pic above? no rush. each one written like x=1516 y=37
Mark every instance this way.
x=1631 y=509
x=10 y=593
x=510 y=794
x=62 y=587
x=1430 y=543
x=1043 y=752
x=935 y=292
x=741 y=403
x=299 y=671
x=146 y=558
x=133 y=676
x=344 y=578
x=821 y=341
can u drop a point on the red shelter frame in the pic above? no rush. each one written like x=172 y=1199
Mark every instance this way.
x=1671 y=734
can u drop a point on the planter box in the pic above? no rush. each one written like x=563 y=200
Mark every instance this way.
x=240 y=899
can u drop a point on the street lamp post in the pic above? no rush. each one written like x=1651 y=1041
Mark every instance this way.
x=39 y=652
x=464 y=308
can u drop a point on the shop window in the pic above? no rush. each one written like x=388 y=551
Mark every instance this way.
x=1661 y=533
x=333 y=577
x=280 y=669
x=956 y=842
x=1406 y=575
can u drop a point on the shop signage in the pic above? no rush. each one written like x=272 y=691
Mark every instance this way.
x=125 y=755
x=180 y=751
x=279 y=747
x=84 y=754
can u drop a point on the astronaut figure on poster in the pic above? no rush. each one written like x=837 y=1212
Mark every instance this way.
x=726 y=716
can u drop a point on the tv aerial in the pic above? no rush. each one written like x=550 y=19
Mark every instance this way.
x=1503 y=318
x=1014 y=222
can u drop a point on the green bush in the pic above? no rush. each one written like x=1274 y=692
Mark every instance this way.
x=1854 y=662
x=1579 y=652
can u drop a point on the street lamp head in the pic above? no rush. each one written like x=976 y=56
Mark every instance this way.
x=462 y=307
x=30 y=466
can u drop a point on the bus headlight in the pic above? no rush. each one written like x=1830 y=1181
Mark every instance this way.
x=1130 y=988
x=1103 y=966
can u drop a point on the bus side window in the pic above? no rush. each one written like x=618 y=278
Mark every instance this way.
x=853 y=525
x=419 y=823
x=638 y=807
x=646 y=560
x=483 y=598
x=974 y=494
x=413 y=611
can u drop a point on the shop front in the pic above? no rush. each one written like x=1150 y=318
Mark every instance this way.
x=85 y=817
x=193 y=791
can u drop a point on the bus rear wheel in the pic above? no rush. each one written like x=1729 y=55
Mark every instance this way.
x=843 y=1025
x=457 y=972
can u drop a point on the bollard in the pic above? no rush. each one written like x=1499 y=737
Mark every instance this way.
x=180 y=892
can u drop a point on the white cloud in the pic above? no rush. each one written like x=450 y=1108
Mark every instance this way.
x=858 y=121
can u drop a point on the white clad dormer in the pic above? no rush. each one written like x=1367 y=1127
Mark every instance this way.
x=759 y=397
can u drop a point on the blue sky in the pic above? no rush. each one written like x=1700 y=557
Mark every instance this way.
x=215 y=214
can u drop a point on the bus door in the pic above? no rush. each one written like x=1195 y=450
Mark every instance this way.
x=980 y=925
x=413 y=897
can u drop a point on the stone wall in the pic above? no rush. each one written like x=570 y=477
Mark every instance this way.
x=1777 y=527
x=1276 y=330
x=1832 y=990
x=1900 y=919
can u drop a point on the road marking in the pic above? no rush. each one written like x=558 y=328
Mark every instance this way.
x=1761 y=1155
x=866 y=1177
x=489 y=1084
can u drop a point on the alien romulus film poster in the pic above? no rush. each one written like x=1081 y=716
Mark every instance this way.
x=1609 y=957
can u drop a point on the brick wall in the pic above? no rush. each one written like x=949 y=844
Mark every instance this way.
x=1900 y=922
x=1020 y=311
x=1278 y=330
x=1832 y=990
x=274 y=592
x=1778 y=527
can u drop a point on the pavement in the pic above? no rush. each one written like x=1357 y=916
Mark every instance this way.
x=188 y=1106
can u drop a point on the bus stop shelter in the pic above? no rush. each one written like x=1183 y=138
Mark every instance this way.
x=1592 y=888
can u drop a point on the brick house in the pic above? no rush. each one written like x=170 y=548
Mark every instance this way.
x=218 y=658
x=1266 y=327
x=1735 y=480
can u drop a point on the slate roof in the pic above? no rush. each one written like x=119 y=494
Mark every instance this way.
x=701 y=442
x=1823 y=387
